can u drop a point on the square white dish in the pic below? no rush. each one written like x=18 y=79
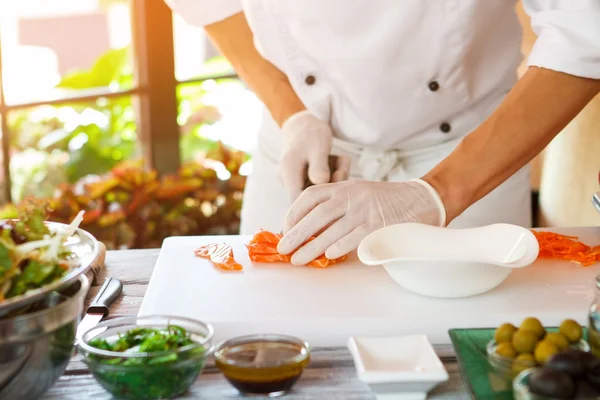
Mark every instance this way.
x=401 y=367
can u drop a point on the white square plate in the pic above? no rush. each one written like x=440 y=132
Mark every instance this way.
x=402 y=367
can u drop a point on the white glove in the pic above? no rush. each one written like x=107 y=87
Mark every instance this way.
x=341 y=214
x=307 y=143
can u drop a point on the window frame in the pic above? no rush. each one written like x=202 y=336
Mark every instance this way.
x=155 y=91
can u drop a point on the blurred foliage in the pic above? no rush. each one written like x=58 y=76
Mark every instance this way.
x=70 y=146
x=51 y=145
x=132 y=207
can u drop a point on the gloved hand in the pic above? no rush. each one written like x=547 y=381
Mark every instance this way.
x=307 y=145
x=341 y=214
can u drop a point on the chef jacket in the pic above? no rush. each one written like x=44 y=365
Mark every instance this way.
x=390 y=74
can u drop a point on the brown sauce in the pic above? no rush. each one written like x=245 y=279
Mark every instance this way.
x=263 y=367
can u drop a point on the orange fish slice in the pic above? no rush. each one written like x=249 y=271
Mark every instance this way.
x=567 y=248
x=263 y=248
x=221 y=254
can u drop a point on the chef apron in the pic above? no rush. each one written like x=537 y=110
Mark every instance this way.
x=265 y=202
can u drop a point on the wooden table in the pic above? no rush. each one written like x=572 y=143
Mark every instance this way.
x=331 y=374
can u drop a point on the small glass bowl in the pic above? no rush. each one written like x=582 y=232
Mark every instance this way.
x=168 y=375
x=262 y=364
x=521 y=388
x=508 y=368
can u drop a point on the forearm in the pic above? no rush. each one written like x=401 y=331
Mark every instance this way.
x=540 y=105
x=234 y=39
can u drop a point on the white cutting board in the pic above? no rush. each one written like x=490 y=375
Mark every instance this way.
x=327 y=306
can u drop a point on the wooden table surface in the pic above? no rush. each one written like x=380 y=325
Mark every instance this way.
x=331 y=374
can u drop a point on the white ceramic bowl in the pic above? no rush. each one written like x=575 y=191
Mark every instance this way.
x=449 y=263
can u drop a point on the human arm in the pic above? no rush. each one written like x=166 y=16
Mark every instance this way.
x=539 y=106
x=234 y=39
x=562 y=78
x=308 y=140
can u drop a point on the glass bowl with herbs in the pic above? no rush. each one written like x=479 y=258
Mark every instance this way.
x=150 y=357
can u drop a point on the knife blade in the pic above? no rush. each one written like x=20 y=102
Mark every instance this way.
x=596 y=201
x=98 y=309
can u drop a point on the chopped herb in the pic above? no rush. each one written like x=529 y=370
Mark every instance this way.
x=151 y=377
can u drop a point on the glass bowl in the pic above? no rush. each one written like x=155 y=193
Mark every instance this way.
x=152 y=375
x=508 y=368
x=521 y=388
x=262 y=364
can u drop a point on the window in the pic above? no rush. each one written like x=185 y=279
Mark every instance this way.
x=86 y=84
x=213 y=102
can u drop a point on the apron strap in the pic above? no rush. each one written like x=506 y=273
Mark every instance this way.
x=376 y=164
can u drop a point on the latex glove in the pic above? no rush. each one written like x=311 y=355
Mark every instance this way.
x=307 y=145
x=341 y=214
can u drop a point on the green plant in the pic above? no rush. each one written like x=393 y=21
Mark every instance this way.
x=63 y=153
x=51 y=145
x=132 y=207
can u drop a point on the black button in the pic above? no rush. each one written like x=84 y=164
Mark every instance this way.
x=310 y=80
x=445 y=127
x=434 y=86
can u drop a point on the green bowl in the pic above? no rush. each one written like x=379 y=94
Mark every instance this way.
x=140 y=376
x=509 y=368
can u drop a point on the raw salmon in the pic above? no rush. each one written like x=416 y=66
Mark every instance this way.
x=263 y=248
x=221 y=254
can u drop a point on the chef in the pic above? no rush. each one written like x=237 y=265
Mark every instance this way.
x=419 y=99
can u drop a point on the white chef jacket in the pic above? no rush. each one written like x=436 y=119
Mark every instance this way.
x=405 y=73
x=402 y=81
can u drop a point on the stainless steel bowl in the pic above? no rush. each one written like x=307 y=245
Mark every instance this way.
x=36 y=347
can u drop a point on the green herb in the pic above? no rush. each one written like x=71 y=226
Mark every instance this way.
x=6 y=262
x=34 y=275
x=30 y=255
x=161 y=376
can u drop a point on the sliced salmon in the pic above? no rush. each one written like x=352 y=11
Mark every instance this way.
x=221 y=254
x=263 y=248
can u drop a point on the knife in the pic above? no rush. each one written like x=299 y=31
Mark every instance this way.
x=332 y=166
x=596 y=200
x=98 y=309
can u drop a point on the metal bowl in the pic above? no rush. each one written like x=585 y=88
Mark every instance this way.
x=35 y=348
x=82 y=244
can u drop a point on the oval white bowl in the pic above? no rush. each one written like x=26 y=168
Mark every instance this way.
x=449 y=263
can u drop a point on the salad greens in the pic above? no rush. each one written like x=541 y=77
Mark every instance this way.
x=31 y=256
x=164 y=375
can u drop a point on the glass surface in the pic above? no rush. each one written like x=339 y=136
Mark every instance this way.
x=594 y=321
x=222 y=109
x=195 y=56
x=61 y=48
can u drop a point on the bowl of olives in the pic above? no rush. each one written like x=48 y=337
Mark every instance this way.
x=514 y=350
x=569 y=374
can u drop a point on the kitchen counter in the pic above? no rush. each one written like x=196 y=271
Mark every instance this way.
x=331 y=374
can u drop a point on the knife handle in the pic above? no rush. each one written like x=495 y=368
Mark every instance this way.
x=110 y=290
x=332 y=167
